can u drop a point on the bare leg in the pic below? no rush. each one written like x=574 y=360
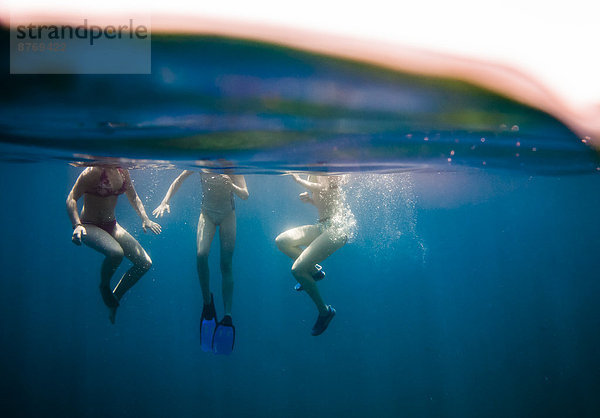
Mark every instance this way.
x=204 y=237
x=321 y=248
x=227 y=232
x=291 y=241
x=136 y=254
x=101 y=241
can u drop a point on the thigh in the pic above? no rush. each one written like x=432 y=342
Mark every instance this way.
x=227 y=232
x=320 y=248
x=131 y=248
x=100 y=240
x=205 y=234
x=300 y=236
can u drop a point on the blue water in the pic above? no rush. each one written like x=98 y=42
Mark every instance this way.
x=468 y=290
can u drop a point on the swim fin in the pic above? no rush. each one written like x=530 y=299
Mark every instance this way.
x=208 y=323
x=318 y=276
x=323 y=321
x=224 y=336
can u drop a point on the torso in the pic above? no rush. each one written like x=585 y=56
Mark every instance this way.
x=217 y=198
x=106 y=185
x=101 y=198
x=326 y=201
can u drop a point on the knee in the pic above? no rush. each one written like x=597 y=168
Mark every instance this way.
x=202 y=257
x=298 y=269
x=115 y=256
x=281 y=241
x=146 y=264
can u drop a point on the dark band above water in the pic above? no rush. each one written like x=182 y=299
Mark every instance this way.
x=266 y=107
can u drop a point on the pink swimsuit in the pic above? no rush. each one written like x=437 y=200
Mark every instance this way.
x=105 y=189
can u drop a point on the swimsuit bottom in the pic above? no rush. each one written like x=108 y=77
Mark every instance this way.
x=216 y=216
x=108 y=226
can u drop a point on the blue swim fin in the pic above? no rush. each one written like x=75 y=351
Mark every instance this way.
x=224 y=336
x=208 y=323
x=323 y=321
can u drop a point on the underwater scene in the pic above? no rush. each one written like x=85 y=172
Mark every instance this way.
x=299 y=236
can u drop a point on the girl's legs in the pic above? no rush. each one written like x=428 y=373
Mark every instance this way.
x=101 y=241
x=317 y=251
x=204 y=237
x=291 y=241
x=227 y=232
x=136 y=254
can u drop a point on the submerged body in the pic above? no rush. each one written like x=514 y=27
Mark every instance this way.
x=98 y=228
x=218 y=210
x=309 y=245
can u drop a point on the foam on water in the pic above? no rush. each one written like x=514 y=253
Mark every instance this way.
x=389 y=203
x=343 y=222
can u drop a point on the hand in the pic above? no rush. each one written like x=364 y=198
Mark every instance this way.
x=158 y=212
x=305 y=197
x=154 y=227
x=226 y=180
x=78 y=234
